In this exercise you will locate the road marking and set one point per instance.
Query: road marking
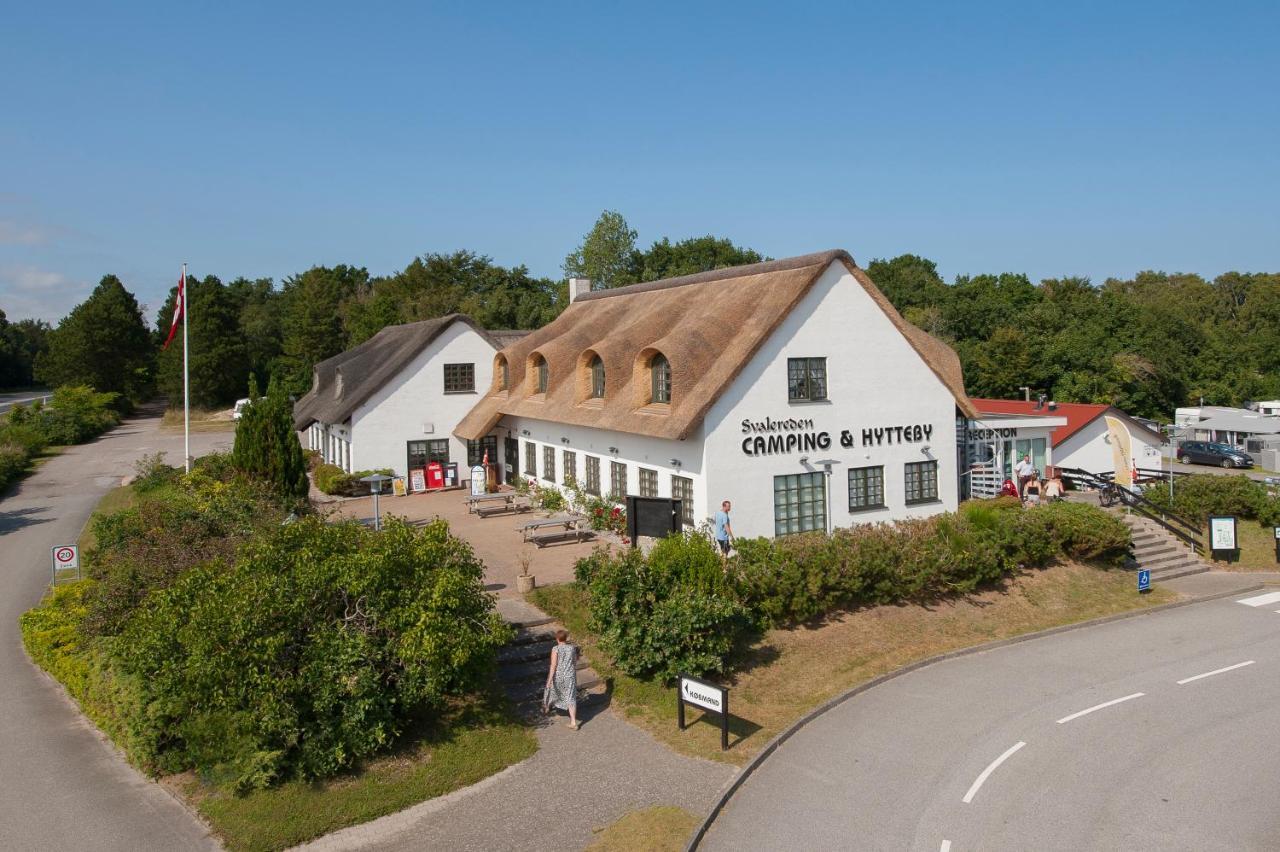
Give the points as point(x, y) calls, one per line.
point(946, 846)
point(1066, 719)
point(1261, 600)
point(986, 773)
point(1216, 671)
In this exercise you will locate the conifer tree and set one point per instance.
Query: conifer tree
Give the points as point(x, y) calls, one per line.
point(266, 446)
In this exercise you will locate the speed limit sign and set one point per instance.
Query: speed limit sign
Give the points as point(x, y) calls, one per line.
point(66, 557)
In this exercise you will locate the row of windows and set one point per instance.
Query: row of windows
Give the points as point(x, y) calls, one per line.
point(681, 486)
point(800, 499)
point(659, 377)
point(422, 453)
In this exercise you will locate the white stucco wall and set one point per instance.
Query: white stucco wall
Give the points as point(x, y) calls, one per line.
point(875, 380)
point(635, 451)
point(401, 409)
point(1090, 448)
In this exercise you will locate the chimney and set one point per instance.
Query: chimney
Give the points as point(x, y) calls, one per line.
point(578, 287)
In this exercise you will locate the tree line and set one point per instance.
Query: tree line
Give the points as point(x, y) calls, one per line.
point(1146, 344)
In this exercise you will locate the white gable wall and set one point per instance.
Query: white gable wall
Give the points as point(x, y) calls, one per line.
point(1090, 448)
point(876, 379)
point(401, 410)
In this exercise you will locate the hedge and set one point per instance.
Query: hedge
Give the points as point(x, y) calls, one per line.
point(1200, 495)
point(683, 609)
point(332, 479)
point(75, 414)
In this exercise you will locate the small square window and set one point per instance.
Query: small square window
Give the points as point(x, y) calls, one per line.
point(806, 379)
point(459, 378)
point(866, 488)
point(922, 482)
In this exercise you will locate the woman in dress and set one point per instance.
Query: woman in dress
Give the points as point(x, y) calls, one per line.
point(562, 679)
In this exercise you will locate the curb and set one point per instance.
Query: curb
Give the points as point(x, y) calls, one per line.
point(741, 777)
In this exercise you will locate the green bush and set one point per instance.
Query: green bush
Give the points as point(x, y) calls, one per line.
point(13, 463)
point(332, 479)
point(77, 413)
point(1200, 495)
point(667, 614)
point(314, 651)
point(266, 446)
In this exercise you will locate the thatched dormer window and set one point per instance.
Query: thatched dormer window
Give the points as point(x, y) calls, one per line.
point(660, 378)
point(541, 374)
point(597, 378)
point(502, 372)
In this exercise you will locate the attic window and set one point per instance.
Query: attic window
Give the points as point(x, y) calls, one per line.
point(542, 374)
point(337, 384)
point(504, 374)
point(597, 378)
point(660, 373)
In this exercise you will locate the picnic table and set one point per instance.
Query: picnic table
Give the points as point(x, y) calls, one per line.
point(513, 506)
point(564, 528)
point(475, 502)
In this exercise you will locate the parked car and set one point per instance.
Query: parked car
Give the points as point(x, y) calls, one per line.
point(1206, 452)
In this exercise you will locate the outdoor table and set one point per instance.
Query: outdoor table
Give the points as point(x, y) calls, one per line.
point(553, 529)
point(473, 502)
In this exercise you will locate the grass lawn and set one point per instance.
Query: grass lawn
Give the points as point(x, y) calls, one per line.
point(789, 672)
point(660, 829)
point(202, 420)
point(1257, 548)
point(476, 743)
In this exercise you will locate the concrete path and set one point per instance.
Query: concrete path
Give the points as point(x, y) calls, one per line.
point(63, 786)
point(1153, 732)
point(578, 781)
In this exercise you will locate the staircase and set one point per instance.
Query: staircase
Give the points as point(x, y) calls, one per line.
point(523, 662)
point(1158, 551)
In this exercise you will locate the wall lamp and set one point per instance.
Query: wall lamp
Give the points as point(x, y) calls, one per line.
point(564, 440)
point(675, 462)
point(613, 450)
point(524, 431)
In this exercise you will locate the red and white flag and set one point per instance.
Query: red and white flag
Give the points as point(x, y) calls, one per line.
point(179, 305)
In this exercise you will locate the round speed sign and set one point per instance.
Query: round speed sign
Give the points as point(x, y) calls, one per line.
point(65, 556)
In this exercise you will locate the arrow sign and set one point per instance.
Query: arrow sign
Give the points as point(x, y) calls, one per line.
point(702, 694)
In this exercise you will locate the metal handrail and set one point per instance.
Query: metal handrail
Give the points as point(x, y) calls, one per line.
point(1110, 491)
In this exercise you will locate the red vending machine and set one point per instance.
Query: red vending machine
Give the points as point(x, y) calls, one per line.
point(435, 475)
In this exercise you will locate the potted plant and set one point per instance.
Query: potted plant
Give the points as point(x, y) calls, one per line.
point(524, 580)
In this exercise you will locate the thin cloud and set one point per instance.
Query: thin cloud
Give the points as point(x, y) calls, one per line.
point(30, 292)
point(15, 233)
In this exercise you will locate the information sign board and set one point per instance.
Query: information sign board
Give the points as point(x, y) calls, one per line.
point(478, 481)
point(1222, 533)
point(417, 480)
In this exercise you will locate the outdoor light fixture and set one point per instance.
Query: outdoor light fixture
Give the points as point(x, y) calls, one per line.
point(925, 449)
point(613, 450)
point(524, 431)
point(804, 460)
point(564, 440)
point(675, 462)
point(375, 485)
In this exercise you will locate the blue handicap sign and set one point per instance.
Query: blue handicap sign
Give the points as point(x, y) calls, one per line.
point(1144, 580)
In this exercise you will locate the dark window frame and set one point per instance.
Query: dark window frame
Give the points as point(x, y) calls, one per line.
point(596, 375)
point(869, 476)
point(682, 490)
point(544, 375)
point(659, 379)
point(925, 486)
point(816, 515)
point(530, 459)
point(549, 464)
point(648, 482)
point(460, 378)
point(569, 467)
point(617, 475)
point(807, 379)
point(475, 450)
point(592, 475)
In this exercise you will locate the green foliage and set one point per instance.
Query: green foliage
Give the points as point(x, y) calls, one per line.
point(605, 254)
point(103, 343)
point(332, 479)
point(20, 344)
point(266, 447)
point(177, 522)
point(1199, 495)
point(313, 651)
point(666, 614)
point(311, 319)
point(74, 415)
point(665, 259)
point(218, 352)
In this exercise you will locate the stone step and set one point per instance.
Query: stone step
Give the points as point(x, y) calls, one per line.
point(1184, 570)
point(1164, 561)
point(532, 670)
point(524, 652)
point(533, 636)
point(1158, 554)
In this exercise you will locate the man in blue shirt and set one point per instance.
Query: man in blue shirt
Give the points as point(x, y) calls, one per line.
point(723, 528)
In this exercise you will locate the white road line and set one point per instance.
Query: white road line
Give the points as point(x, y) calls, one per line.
point(986, 773)
point(1261, 600)
point(946, 846)
point(1216, 671)
point(1066, 719)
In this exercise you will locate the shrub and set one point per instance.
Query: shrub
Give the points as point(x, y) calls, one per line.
point(314, 651)
point(1198, 496)
point(266, 447)
point(13, 463)
point(670, 613)
point(78, 413)
point(332, 479)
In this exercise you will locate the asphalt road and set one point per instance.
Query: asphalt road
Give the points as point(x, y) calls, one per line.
point(62, 787)
point(992, 751)
point(7, 400)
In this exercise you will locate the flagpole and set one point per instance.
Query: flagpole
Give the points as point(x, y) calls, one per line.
point(186, 378)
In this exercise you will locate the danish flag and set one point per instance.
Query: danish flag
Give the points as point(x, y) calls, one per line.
point(179, 306)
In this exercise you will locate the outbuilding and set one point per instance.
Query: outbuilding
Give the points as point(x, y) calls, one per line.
point(791, 388)
point(393, 401)
point(1084, 438)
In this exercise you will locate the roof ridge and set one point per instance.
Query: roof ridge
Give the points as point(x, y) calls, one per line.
point(761, 268)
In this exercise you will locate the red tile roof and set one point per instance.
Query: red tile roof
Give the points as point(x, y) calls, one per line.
point(1078, 414)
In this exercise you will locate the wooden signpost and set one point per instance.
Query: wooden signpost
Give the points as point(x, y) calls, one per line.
point(708, 696)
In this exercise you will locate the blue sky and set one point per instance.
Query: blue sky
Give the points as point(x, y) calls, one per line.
point(260, 139)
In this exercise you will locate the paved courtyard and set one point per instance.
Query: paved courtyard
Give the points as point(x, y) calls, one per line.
point(497, 540)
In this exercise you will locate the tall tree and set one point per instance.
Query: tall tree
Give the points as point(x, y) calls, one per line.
point(217, 355)
point(104, 343)
point(909, 281)
point(605, 254)
point(311, 319)
point(266, 446)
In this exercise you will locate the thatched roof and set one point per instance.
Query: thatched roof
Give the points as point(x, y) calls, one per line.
point(707, 325)
point(342, 383)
